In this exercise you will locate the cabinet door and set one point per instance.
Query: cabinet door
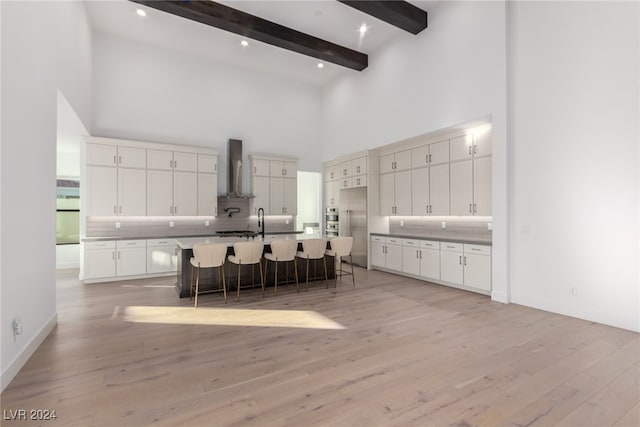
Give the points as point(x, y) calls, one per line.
point(290, 196)
point(477, 271)
point(359, 181)
point(159, 159)
point(290, 169)
point(482, 186)
point(102, 194)
point(439, 152)
point(420, 191)
point(102, 155)
point(207, 194)
point(387, 194)
point(403, 193)
point(276, 196)
point(461, 147)
point(462, 188)
point(482, 144)
point(330, 189)
point(185, 162)
point(420, 156)
point(411, 260)
point(185, 193)
point(159, 192)
point(346, 182)
point(131, 261)
point(439, 190)
point(430, 264)
point(99, 263)
point(260, 189)
point(162, 259)
point(129, 157)
point(345, 169)
point(207, 163)
point(394, 258)
point(377, 254)
point(260, 167)
point(451, 269)
point(276, 168)
point(359, 166)
point(386, 163)
point(132, 192)
point(403, 160)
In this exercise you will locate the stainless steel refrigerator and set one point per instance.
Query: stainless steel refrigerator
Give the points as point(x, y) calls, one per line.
point(353, 221)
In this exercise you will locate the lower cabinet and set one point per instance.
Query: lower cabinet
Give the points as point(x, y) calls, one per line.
point(99, 259)
point(161, 256)
point(467, 266)
point(131, 259)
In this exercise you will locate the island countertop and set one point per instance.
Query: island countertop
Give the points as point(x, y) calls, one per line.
point(188, 242)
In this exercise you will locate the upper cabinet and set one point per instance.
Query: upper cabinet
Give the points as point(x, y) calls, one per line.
point(142, 178)
point(471, 145)
point(394, 162)
point(274, 184)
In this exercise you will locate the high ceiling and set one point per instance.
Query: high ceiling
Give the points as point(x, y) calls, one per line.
point(326, 19)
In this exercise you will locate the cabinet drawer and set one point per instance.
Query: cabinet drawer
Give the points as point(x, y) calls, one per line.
point(131, 244)
point(411, 242)
point(359, 181)
point(429, 244)
point(477, 249)
point(161, 242)
point(451, 247)
point(393, 241)
point(345, 169)
point(346, 183)
point(377, 239)
point(109, 244)
point(359, 166)
point(207, 163)
point(186, 162)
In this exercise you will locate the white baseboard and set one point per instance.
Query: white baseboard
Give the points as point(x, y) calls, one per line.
point(19, 361)
point(67, 265)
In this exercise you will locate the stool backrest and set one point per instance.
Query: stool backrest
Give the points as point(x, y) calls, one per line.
point(314, 248)
point(210, 254)
point(248, 252)
point(341, 246)
point(284, 250)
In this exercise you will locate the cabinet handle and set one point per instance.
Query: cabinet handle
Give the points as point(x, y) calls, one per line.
point(465, 260)
point(114, 160)
point(215, 167)
point(429, 158)
point(417, 255)
point(114, 209)
point(170, 164)
point(420, 254)
point(474, 208)
point(469, 150)
point(175, 210)
point(470, 208)
point(460, 260)
point(255, 169)
point(120, 208)
point(475, 149)
point(113, 255)
point(430, 209)
point(175, 163)
point(119, 159)
point(118, 254)
point(171, 209)
point(426, 158)
point(358, 169)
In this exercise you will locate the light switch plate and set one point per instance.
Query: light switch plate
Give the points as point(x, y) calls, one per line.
point(490, 226)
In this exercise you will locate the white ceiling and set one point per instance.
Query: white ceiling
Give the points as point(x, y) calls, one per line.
point(326, 19)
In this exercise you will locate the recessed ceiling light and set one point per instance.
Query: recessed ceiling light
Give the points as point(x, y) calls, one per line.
point(141, 12)
point(244, 43)
point(363, 28)
point(320, 65)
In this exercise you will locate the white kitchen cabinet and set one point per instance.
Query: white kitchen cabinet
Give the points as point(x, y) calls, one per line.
point(462, 147)
point(131, 259)
point(394, 162)
point(283, 196)
point(291, 196)
point(207, 163)
point(132, 192)
point(395, 193)
point(260, 189)
point(185, 162)
point(332, 193)
point(451, 267)
point(387, 194)
point(101, 155)
point(130, 157)
point(185, 193)
point(439, 192)
point(346, 182)
point(260, 167)
point(378, 255)
point(161, 256)
point(359, 181)
point(159, 192)
point(99, 259)
point(482, 143)
point(482, 186)
point(420, 191)
point(411, 257)
point(283, 169)
point(430, 259)
point(345, 169)
point(102, 191)
point(462, 188)
point(477, 266)
point(207, 194)
point(332, 173)
point(159, 159)
point(430, 154)
point(359, 166)
point(386, 252)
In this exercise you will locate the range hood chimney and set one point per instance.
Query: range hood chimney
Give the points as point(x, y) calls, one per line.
point(234, 169)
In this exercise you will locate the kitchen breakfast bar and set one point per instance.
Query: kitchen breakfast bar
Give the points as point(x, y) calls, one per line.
point(209, 277)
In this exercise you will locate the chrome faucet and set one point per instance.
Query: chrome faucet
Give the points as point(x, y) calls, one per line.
point(261, 222)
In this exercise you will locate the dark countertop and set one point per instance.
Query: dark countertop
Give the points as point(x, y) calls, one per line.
point(469, 240)
point(212, 234)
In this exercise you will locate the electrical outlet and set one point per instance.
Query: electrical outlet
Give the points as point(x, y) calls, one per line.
point(444, 224)
point(574, 291)
point(207, 223)
point(117, 225)
point(171, 224)
point(286, 221)
point(489, 226)
point(401, 223)
point(17, 326)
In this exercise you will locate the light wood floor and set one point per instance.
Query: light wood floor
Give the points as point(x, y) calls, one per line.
point(412, 354)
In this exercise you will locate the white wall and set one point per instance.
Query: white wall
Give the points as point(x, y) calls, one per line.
point(450, 73)
point(148, 93)
point(46, 46)
point(575, 132)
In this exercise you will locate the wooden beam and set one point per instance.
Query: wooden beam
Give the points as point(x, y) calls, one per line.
point(395, 12)
point(238, 22)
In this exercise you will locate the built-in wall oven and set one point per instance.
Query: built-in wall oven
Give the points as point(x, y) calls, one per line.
point(331, 222)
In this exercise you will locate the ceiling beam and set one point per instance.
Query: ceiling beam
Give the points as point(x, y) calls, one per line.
point(238, 22)
point(395, 12)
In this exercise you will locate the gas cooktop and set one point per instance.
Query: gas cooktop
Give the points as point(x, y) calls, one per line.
point(237, 233)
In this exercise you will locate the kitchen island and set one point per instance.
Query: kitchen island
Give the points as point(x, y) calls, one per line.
point(209, 277)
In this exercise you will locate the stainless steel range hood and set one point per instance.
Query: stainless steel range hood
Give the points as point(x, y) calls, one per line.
point(234, 170)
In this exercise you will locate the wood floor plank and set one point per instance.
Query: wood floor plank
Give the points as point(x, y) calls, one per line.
point(411, 354)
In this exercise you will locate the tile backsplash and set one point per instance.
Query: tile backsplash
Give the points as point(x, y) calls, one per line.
point(456, 228)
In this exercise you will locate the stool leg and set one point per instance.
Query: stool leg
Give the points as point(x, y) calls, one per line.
point(238, 298)
point(295, 267)
point(191, 284)
point(307, 272)
point(266, 268)
point(326, 276)
point(197, 285)
point(276, 278)
point(224, 284)
point(353, 277)
point(336, 265)
point(262, 281)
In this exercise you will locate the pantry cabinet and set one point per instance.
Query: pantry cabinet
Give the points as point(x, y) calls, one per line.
point(274, 184)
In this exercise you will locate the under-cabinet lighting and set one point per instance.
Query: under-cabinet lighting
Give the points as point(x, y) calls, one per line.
point(141, 12)
point(363, 28)
point(244, 43)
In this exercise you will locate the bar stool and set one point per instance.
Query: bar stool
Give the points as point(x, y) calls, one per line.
point(208, 255)
point(284, 251)
point(247, 253)
point(314, 249)
point(341, 246)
